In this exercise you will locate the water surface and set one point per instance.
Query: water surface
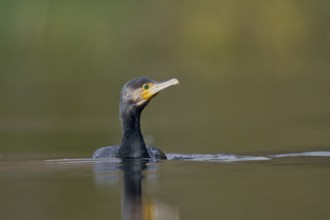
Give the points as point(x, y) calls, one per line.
point(277, 188)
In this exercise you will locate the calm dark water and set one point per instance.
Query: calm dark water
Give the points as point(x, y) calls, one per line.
point(280, 188)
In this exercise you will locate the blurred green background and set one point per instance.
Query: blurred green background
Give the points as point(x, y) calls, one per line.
point(254, 74)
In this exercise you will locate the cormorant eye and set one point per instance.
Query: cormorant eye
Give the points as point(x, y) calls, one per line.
point(145, 86)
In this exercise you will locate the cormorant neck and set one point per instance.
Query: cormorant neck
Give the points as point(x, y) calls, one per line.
point(132, 145)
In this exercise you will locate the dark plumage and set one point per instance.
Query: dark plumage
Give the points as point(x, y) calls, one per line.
point(134, 97)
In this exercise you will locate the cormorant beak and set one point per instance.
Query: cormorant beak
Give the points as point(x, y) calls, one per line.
point(155, 88)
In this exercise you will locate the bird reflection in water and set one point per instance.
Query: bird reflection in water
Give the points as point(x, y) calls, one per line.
point(134, 205)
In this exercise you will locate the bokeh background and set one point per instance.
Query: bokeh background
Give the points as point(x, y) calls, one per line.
point(254, 74)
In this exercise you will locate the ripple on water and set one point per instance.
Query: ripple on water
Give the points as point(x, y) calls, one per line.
point(215, 157)
point(304, 154)
point(204, 157)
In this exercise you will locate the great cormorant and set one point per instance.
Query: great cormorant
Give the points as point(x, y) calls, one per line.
point(134, 96)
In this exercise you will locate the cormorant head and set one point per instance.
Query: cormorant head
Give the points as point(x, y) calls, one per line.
point(138, 92)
